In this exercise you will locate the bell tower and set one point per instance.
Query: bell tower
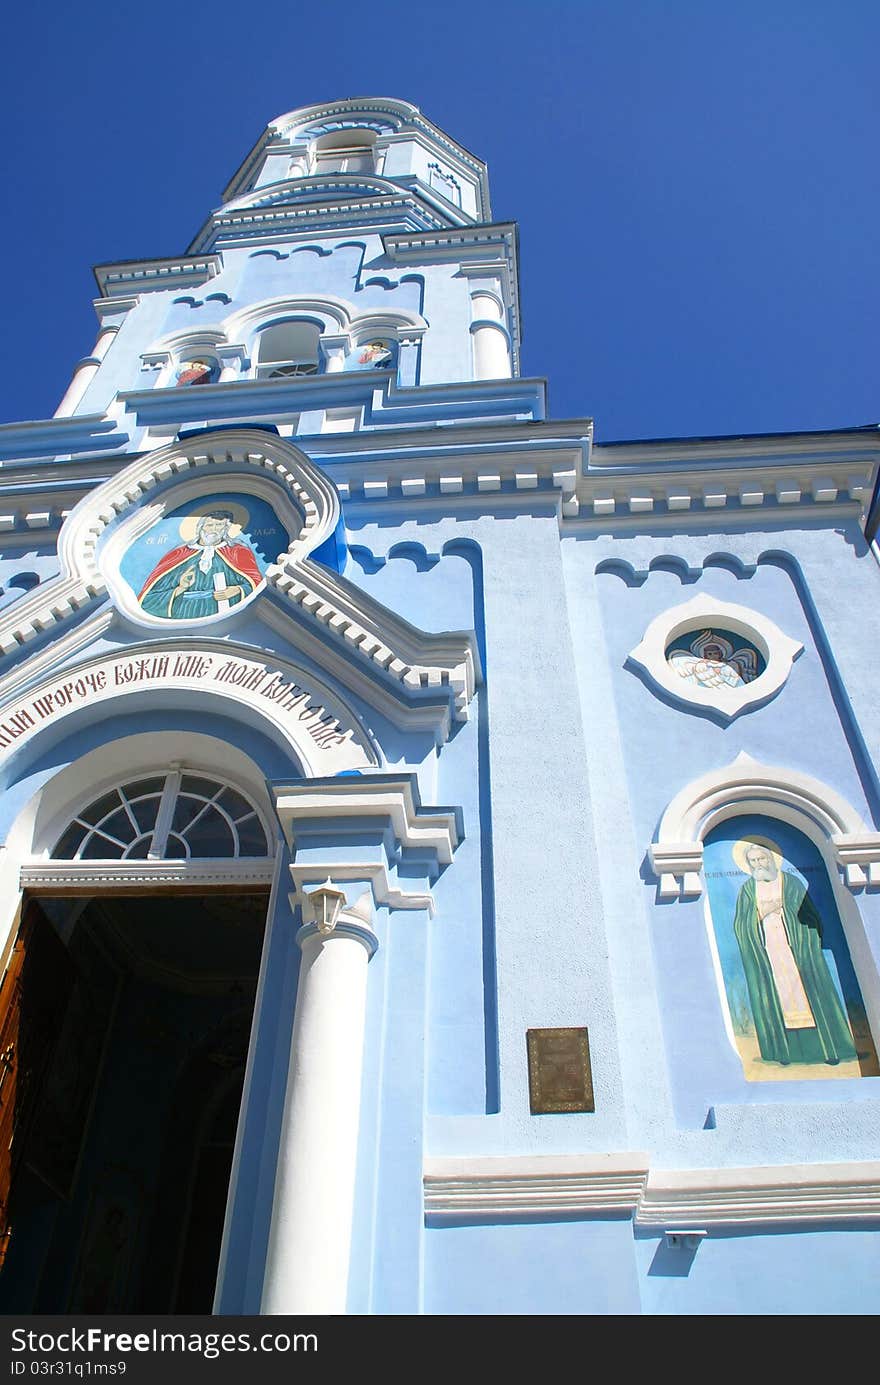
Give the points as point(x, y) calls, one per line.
point(354, 241)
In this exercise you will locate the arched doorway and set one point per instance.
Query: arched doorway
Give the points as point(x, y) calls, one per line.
point(125, 1016)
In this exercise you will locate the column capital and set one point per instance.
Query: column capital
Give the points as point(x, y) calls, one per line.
point(340, 920)
point(384, 823)
point(346, 928)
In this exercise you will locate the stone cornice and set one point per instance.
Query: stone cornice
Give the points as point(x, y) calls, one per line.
point(699, 452)
point(49, 437)
point(343, 810)
point(127, 276)
point(378, 213)
point(338, 191)
point(404, 454)
point(508, 1188)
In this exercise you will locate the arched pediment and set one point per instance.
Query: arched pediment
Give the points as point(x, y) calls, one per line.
point(746, 786)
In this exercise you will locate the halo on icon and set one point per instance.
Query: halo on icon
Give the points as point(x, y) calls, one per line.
point(740, 848)
point(190, 523)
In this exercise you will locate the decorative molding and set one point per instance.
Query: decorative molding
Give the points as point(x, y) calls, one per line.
point(384, 891)
point(745, 786)
point(746, 1196)
point(703, 611)
point(726, 479)
point(308, 717)
point(377, 214)
point(513, 1187)
point(311, 810)
point(62, 876)
point(534, 1185)
point(141, 275)
point(339, 315)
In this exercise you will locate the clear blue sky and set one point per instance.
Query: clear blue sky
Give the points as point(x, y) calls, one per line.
point(696, 182)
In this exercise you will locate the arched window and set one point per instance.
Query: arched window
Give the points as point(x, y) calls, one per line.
point(164, 817)
point(288, 350)
point(794, 1003)
point(345, 151)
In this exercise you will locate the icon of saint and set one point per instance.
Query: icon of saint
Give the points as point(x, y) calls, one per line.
point(194, 373)
point(798, 1014)
point(376, 354)
point(711, 661)
point(205, 576)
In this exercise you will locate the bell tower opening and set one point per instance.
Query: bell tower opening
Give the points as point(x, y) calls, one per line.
point(124, 1028)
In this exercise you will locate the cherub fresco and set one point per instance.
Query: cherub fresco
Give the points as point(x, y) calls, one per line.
point(711, 661)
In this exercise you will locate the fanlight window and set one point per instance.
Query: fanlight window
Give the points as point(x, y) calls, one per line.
point(289, 349)
point(165, 817)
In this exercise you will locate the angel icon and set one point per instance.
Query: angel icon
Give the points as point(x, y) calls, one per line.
point(710, 661)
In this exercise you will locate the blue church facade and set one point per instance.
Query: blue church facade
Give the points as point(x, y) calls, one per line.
point(444, 847)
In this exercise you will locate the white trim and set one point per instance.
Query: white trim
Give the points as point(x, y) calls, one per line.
point(704, 611)
point(747, 786)
point(299, 710)
point(337, 315)
point(543, 1184)
point(281, 502)
point(432, 832)
point(140, 875)
point(510, 1187)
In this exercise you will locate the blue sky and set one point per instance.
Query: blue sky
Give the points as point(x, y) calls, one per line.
point(696, 183)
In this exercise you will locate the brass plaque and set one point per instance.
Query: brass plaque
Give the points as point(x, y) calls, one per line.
point(560, 1076)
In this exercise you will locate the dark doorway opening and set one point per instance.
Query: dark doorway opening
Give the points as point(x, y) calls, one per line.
point(124, 1026)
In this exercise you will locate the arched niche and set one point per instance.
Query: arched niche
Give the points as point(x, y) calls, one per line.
point(795, 995)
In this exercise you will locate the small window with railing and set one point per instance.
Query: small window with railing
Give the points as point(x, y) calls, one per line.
point(288, 350)
point(344, 151)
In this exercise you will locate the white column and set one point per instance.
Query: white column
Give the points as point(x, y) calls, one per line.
point(491, 352)
point(310, 1238)
point(84, 373)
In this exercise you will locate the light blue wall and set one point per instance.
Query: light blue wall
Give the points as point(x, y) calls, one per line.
point(524, 1268)
point(830, 1271)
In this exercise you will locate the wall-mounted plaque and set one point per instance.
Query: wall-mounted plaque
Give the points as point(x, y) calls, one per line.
point(560, 1076)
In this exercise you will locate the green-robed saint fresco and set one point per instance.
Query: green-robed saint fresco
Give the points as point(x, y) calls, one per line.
point(793, 998)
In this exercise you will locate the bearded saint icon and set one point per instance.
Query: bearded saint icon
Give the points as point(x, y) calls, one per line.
point(205, 576)
point(710, 661)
